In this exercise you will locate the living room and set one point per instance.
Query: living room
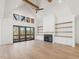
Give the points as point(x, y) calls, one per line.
point(33, 26)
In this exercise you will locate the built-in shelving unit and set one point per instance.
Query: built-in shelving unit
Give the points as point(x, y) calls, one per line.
point(40, 29)
point(63, 29)
point(63, 23)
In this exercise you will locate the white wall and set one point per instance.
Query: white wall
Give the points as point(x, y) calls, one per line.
point(77, 29)
point(64, 14)
point(48, 23)
point(64, 11)
point(57, 13)
point(74, 6)
point(7, 31)
point(8, 21)
point(2, 8)
point(46, 18)
point(1, 15)
point(0, 30)
point(11, 5)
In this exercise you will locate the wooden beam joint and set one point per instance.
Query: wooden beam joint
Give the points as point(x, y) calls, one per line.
point(31, 3)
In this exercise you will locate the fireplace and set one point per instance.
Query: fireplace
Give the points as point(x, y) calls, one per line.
point(48, 38)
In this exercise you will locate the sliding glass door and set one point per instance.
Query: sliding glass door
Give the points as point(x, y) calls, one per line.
point(15, 34)
point(22, 33)
point(30, 33)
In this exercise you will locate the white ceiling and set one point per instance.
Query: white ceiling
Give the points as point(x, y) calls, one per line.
point(74, 6)
point(48, 7)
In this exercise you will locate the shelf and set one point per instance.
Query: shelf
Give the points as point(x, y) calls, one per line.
point(63, 23)
point(63, 36)
point(40, 29)
point(63, 27)
point(63, 31)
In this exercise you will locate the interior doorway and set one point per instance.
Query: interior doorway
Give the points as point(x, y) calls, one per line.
point(22, 33)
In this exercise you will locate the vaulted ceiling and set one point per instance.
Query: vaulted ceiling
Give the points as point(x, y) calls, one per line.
point(35, 4)
point(48, 7)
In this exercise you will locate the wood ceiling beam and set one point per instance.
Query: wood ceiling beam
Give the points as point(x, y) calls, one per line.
point(32, 4)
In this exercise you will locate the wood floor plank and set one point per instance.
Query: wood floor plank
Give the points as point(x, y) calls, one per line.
point(38, 50)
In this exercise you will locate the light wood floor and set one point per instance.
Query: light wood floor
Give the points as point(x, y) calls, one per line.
point(38, 50)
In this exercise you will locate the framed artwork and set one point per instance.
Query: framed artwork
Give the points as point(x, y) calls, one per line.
point(27, 19)
point(23, 18)
point(19, 17)
point(16, 17)
point(32, 20)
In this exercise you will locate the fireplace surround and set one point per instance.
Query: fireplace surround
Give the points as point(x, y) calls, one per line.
point(48, 37)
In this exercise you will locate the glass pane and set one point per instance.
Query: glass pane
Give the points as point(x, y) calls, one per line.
point(27, 30)
point(32, 36)
point(32, 31)
point(16, 37)
point(22, 31)
point(22, 36)
point(16, 30)
point(28, 36)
